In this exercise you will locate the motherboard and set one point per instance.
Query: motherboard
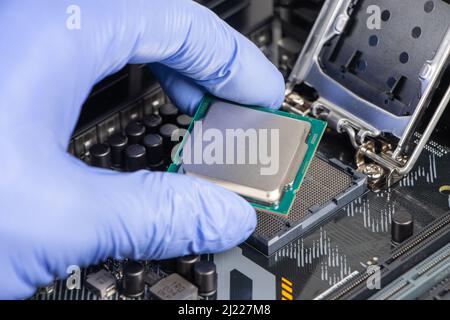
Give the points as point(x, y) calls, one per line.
point(344, 242)
point(342, 238)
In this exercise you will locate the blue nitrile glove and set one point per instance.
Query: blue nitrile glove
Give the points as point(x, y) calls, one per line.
point(54, 210)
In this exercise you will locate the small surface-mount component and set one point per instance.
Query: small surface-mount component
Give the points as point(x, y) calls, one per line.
point(47, 290)
point(151, 278)
point(250, 136)
point(102, 284)
point(174, 287)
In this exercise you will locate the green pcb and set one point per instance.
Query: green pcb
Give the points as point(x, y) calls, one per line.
point(284, 205)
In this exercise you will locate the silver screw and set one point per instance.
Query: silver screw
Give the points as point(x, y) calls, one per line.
point(374, 171)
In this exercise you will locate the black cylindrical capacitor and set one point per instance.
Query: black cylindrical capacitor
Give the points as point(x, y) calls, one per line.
point(153, 143)
point(183, 121)
point(205, 278)
point(152, 123)
point(185, 266)
point(168, 265)
point(118, 143)
point(135, 158)
point(133, 281)
point(402, 226)
point(101, 156)
point(135, 132)
point(168, 133)
point(169, 113)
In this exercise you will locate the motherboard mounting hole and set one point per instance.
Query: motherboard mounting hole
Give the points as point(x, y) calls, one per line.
point(429, 6)
point(385, 15)
point(404, 57)
point(416, 32)
point(362, 65)
point(373, 40)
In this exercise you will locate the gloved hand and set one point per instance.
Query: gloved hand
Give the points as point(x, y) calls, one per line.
point(54, 210)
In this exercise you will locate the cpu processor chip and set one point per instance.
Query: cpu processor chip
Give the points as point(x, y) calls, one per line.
point(258, 153)
point(246, 166)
